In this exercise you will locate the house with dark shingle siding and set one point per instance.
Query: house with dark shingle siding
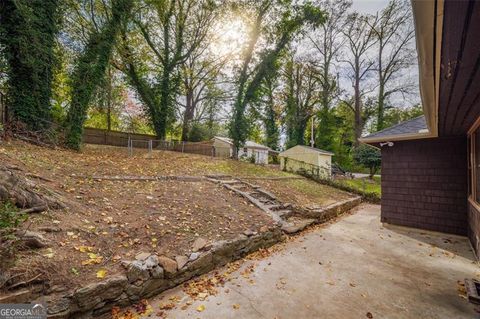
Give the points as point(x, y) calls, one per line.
point(431, 164)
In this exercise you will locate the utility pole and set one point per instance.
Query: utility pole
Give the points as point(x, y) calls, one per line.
point(312, 140)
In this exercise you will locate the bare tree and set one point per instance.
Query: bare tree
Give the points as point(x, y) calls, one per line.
point(302, 94)
point(172, 31)
point(198, 73)
point(394, 31)
point(328, 42)
point(360, 38)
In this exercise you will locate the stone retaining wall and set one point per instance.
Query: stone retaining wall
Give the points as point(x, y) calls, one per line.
point(149, 275)
point(146, 278)
point(326, 213)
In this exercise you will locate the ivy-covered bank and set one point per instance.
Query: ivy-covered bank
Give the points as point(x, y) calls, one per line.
point(27, 36)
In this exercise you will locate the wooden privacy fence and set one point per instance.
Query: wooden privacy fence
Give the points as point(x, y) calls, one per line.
point(113, 138)
point(146, 141)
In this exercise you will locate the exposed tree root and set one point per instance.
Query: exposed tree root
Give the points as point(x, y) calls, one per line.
point(24, 193)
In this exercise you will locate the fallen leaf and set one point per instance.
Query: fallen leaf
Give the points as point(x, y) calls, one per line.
point(93, 259)
point(236, 306)
point(84, 249)
point(200, 308)
point(49, 253)
point(101, 273)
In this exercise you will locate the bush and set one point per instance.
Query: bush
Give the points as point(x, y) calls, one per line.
point(199, 133)
point(369, 157)
point(10, 219)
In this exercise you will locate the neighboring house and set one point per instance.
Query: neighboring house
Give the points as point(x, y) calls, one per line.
point(431, 164)
point(224, 148)
point(310, 159)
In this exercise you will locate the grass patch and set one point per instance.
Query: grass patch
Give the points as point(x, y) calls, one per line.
point(372, 193)
point(239, 168)
point(303, 192)
point(364, 185)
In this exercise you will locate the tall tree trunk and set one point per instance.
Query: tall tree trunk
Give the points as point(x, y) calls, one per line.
point(188, 115)
point(381, 90)
point(358, 109)
point(109, 100)
point(160, 124)
point(271, 128)
point(28, 31)
point(91, 69)
point(381, 107)
point(301, 128)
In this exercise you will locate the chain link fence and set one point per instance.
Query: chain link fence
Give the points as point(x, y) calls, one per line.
point(144, 143)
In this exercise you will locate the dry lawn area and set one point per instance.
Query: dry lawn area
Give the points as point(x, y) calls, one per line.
point(303, 192)
point(109, 221)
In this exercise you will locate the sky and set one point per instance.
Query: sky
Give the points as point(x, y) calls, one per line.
point(369, 6)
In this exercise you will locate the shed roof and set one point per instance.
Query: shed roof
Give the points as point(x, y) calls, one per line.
point(248, 144)
point(317, 150)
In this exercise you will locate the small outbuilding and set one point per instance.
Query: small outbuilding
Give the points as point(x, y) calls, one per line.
point(224, 148)
point(305, 158)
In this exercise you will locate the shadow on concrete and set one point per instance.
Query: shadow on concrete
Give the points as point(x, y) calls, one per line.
point(455, 244)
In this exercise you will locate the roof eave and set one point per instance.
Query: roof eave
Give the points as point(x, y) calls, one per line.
point(396, 138)
point(428, 19)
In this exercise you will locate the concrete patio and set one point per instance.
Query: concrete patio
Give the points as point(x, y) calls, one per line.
point(353, 268)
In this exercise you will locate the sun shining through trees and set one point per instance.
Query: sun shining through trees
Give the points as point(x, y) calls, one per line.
point(257, 70)
point(230, 37)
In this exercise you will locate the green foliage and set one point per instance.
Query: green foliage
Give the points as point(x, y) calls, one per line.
point(272, 131)
point(9, 217)
point(138, 124)
point(327, 129)
point(292, 21)
point(27, 32)
point(369, 157)
point(172, 32)
point(397, 115)
point(201, 132)
point(98, 119)
point(270, 114)
point(91, 68)
point(343, 137)
point(295, 117)
point(61, 90)
point(365, 185)
point(369, 195)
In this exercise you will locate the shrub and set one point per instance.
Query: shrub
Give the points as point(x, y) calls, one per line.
point(10, 219)
point(369, 157)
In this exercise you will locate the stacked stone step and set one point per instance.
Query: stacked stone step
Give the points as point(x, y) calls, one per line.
point(264, 200)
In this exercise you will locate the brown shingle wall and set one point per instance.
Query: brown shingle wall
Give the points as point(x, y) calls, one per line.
point(424, 184)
